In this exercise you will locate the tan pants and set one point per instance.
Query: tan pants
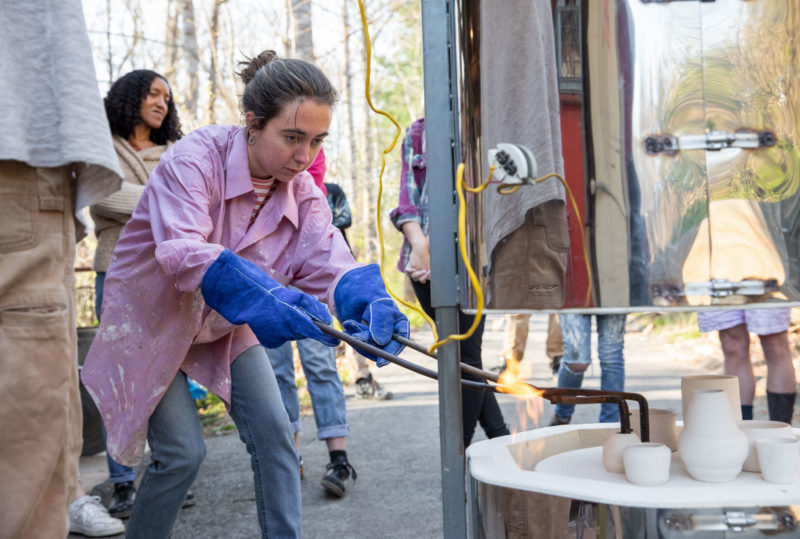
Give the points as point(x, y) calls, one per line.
point(40, 415)
point(517, 337)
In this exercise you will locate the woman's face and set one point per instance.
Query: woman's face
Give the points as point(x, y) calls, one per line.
point(154, 105)
point(290, 141)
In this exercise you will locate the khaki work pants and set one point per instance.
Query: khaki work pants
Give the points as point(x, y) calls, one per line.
point(40, 414)
point(517, 337)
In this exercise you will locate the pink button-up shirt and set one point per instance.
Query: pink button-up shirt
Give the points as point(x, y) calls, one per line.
point(197, 202)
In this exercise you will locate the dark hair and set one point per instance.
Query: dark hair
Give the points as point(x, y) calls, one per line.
point(124, 101)
point(272, 82)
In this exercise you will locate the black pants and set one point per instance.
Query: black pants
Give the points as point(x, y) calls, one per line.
point(478, 406)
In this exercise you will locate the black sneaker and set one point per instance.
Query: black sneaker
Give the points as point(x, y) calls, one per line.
point(122, 500)
point(336, 474)
point(190, 500)
point(364, 387)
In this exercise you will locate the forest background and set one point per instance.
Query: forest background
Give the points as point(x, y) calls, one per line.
point(197, 44)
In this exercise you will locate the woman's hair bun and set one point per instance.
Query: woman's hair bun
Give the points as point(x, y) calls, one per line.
point(250, 66)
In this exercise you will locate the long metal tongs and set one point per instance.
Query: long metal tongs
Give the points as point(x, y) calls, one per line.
point(552, 394)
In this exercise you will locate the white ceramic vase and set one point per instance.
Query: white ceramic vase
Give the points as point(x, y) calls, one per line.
point(756, 429)
point(726, 382)
point(612, 450)
point(647, 463)
point(711, 446)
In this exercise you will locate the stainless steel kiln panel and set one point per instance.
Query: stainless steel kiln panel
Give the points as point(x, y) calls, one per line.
point(691, 144)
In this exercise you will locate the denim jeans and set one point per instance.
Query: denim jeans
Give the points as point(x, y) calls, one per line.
point(177, 450)
point(576, 330)
point(117, 473)
point(324, 386)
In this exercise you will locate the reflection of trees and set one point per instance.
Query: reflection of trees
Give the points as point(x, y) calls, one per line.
point(745, 78)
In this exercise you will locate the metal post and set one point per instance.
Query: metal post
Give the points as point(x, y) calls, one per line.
point(441, 107)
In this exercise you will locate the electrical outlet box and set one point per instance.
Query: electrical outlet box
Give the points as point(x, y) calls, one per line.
point(514, 163)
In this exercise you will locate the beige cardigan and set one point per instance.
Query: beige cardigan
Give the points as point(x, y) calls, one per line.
point(111, 213)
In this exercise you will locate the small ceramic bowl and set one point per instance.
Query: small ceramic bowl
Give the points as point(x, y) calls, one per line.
point(647, 463)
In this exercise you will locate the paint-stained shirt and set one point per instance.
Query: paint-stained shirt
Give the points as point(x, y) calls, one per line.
point(197, 203)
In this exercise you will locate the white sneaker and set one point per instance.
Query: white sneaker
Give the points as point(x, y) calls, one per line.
point(87, 516)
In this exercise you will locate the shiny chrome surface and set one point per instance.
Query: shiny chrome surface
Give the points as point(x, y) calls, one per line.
point(691, 227)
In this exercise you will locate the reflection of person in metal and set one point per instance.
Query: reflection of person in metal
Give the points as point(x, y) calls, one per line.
point(526, 234)
point(576, 330)
point(771, 326)
point(517, 336)
point(56, 158)
point(412, 217)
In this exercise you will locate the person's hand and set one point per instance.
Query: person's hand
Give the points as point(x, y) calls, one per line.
point(368, 313)
point(242, 293)
point(419, 262)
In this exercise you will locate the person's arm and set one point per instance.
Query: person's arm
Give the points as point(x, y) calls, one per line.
point(120, 205)
point(419, 263)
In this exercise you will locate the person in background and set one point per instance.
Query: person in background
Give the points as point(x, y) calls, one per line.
point(324, 386)
point(144, 124)
point(411, 217)
point(366, 386)
point(199, 286)
point(771, 326)
point(56, 158)
point(576, 332)
point(517, 337)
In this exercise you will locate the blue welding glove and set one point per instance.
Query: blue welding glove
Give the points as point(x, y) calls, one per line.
point(242, 293)
point(368, 313)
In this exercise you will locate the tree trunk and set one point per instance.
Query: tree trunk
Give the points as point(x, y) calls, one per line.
point(369, 205)
point(303, 36)
point(355, 178)
point(192, 56)
point(171, 42)
point(213, 64)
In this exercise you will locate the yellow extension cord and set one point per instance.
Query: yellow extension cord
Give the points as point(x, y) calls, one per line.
point(460, 188)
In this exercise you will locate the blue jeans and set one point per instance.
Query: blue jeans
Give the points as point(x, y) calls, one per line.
point(177, 450)
point(117, 473)
point(576, 331)
point(324, 386)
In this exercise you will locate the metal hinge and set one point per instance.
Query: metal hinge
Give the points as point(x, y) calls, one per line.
point(722, 288)
point(736, 521)
point(713, 140)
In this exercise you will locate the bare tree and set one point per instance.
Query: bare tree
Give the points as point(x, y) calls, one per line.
point(171, 67)
point(192, 58)
point(303, 35)
point(213, 64)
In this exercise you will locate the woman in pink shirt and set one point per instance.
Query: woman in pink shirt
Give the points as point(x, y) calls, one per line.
point(197, 286)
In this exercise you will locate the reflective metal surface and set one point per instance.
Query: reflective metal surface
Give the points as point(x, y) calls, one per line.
point(691, 145)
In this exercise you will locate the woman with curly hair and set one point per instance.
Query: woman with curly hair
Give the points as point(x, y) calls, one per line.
point(144, 123)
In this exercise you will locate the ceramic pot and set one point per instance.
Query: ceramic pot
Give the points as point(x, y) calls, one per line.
point(779, 459)
point(662, 426)
point(726, 382)
point(647, 463)
point(612, 450)
point(760, 430)
point(711, 446)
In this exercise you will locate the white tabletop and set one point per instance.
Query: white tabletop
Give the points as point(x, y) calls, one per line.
point(566, 461)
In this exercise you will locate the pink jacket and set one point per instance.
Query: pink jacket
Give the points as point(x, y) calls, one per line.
point(197, 202)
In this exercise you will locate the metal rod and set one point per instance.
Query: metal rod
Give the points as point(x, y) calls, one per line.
point(374, 350)
point(552, 394)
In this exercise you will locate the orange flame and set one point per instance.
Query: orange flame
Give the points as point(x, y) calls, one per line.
point(527, 406)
